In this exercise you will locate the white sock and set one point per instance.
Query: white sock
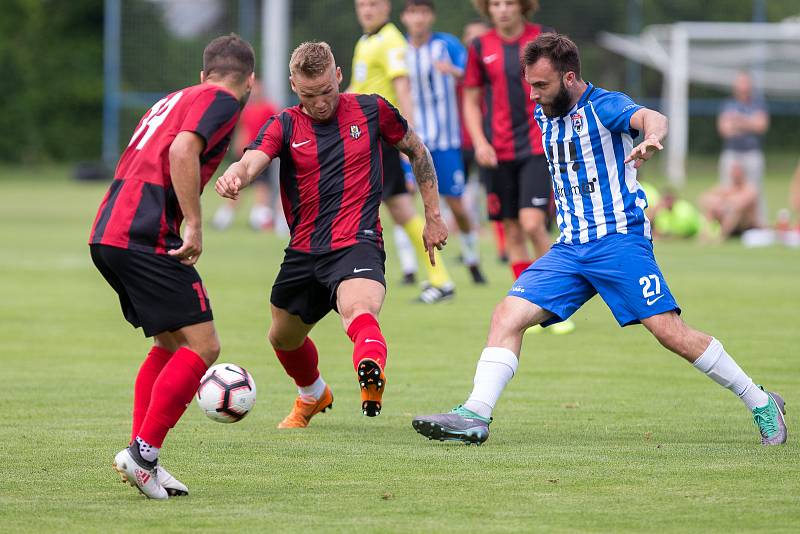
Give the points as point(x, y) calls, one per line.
point(469, 247)
point(315, 390)
point(722, 369)
point(495, 368)
point(405, 250)
point(147, 451)
point(260, 216)
point(470, 198)
point(223, 218)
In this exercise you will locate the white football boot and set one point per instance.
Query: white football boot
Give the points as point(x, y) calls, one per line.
point(142, 477)
point(174, 487)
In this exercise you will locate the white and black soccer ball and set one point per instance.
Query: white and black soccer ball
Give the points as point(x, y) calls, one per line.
point(227, 393)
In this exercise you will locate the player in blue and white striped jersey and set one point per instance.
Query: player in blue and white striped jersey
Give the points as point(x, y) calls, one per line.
point(596, 192)
point(435, 61)
point(604, 247)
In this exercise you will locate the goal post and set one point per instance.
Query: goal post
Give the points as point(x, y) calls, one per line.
point(711, 54)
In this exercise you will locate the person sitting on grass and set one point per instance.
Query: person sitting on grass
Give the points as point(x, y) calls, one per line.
point(734, 206)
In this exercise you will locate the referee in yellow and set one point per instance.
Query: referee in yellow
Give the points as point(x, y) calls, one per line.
point(379, 66)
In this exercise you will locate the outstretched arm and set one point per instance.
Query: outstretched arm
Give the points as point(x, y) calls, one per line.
point(654, 126)
point(241, 174)
point(435, 233)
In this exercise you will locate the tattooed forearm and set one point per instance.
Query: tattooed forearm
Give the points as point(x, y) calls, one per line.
point(422, 164)
point(420, 158)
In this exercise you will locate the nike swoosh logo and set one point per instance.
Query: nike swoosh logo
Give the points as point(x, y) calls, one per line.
point(360, 270)
point(295, 145)
point(368, 340)
point(651, 302)
point(489, 58)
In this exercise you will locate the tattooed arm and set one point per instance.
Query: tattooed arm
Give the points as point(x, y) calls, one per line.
point(435, 233)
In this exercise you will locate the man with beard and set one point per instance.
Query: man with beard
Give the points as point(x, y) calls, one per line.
point(605, 246)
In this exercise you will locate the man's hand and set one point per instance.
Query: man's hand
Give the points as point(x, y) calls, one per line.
point(229, 184)
point(445, 67)
point(485, 155)
point(192, 246)
point(434, 235)
point(643, 152)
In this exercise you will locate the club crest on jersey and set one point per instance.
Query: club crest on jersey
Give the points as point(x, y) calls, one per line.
point(355, 131)
point(577, 122)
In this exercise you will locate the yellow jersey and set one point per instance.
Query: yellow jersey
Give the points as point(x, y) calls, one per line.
point(378, 59)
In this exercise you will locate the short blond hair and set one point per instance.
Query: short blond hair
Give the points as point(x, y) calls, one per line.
point(529, 7)
point(311, 59)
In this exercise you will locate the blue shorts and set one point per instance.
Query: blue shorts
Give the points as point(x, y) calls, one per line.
point(620, 267)
point(449, 167)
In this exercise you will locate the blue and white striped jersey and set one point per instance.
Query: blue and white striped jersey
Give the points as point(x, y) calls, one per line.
point(434, 93)
point(596, 194)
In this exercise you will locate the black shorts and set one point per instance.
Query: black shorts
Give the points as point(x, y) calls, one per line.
point(394, 179)
point(306, 283)
point(156, 291)
point(518, 184)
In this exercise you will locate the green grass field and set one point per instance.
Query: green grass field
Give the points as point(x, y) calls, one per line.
point(600, 431)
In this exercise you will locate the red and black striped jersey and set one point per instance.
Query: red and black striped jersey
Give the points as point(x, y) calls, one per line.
point(494, 65)
point(140, 210)
point(331, 172)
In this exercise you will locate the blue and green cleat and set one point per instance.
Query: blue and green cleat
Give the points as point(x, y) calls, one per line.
point(769, 420)
point(460, 424)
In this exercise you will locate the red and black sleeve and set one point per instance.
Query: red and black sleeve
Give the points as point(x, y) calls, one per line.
point(393, 127)
point(212, 116)
point(269, 139)
point(474, 74)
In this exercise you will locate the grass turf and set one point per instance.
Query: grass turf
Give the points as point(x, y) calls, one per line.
point(600, 431)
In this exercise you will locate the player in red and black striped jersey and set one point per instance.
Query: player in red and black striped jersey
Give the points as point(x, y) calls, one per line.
point(331, 184)
point(507, 139)
point(136, 244)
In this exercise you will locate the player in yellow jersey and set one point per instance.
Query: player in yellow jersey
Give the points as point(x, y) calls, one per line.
point(379, 66)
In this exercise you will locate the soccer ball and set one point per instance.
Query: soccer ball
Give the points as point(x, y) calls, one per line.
point(227, 393)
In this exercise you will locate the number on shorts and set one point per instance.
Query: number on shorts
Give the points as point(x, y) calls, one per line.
point(202, 295)
point(645, 283)
point(154, 118)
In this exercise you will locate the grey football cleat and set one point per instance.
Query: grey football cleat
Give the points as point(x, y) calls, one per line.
point(460, 424)
point(769, 420)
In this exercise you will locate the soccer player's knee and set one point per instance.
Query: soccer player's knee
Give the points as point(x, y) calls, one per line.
point(281, 341)
point(673, 335)
point(533, 225)
point(212, 353)
point(504, 321)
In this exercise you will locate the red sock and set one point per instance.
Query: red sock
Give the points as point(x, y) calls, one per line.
point(301, 364)
point(518, 266)
point(500, 237)
point(365, 332)
point(172, 392)
point(156, 359)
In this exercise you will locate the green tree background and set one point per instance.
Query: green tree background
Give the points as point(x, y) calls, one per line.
point(51, 52)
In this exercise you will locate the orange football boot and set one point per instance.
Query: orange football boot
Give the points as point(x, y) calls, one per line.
point(303, 411)
point(372, 382)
